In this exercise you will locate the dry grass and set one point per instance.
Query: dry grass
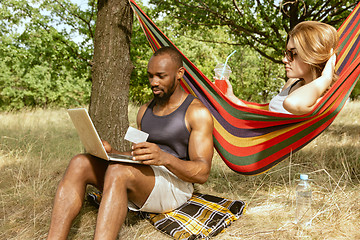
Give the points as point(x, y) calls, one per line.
point(36, 146)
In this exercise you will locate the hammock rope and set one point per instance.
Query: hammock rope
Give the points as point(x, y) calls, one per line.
point(251, 140)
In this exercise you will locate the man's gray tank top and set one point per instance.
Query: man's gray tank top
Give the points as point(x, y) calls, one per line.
point(169, 132)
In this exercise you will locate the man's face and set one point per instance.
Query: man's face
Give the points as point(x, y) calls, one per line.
point(162, 73)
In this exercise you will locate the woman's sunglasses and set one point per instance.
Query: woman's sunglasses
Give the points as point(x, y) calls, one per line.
point(289, 54)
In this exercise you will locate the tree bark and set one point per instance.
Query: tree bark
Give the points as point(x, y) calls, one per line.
point(111, 71)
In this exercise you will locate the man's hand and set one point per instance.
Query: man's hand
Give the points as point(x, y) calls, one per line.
point(107, 146)
point(149, 153)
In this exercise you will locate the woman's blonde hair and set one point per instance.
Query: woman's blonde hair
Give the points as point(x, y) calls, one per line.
point(313, 42)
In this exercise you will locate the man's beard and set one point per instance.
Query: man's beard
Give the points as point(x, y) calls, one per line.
point(164, 98)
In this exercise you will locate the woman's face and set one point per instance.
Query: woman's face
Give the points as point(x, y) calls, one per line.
point(295, 67)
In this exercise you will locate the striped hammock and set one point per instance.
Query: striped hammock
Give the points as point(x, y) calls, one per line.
point(251, 139)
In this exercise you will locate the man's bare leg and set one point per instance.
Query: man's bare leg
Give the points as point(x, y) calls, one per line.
point(82, 170)
point(122, 182)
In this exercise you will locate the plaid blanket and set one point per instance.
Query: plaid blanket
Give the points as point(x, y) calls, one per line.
point(201, 217)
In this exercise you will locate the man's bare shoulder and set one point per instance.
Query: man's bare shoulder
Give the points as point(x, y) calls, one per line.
point(144, 106)
point(197, 111)
point(141, 112)
point(197, 105)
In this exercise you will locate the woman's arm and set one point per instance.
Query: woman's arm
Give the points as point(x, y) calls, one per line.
point(303, 99)
point(230, 95)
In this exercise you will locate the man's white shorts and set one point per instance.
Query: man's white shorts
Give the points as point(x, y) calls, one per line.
point(168, 193)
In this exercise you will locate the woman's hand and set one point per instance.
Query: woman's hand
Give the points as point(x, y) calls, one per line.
point(229, 93)
point(231, 96)
point(329, 68)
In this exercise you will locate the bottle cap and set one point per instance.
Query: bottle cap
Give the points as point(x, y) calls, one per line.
point(304, 177)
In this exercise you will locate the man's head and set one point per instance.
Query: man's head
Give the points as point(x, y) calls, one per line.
point(175, 55)
point(165, 69)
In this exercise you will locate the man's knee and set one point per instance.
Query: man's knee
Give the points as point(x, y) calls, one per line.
point(131, 177)
point(83, 166)
point(80, 162)
point(120, 174)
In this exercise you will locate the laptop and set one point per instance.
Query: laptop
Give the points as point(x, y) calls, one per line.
point(90, 138)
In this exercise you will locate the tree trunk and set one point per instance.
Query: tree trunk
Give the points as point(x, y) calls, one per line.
point(111, 71)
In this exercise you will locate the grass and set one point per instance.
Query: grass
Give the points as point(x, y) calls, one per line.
point(36, 146)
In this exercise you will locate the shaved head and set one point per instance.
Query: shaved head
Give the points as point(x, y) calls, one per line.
point(175, 55)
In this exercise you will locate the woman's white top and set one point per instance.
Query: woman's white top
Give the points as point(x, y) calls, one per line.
point(276, 104)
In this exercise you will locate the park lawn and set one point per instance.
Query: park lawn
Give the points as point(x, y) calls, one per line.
point(36, 146)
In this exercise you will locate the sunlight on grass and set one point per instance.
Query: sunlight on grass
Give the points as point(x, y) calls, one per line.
point(36, 146)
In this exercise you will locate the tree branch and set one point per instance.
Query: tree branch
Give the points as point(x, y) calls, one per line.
point(46, 28)
point(87, 23)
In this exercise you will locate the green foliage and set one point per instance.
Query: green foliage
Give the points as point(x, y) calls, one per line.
point(41, 65)
point(37, 88)
point(261, 25)
point(253, 77)
point(355, 94)
point(256, 29)
point(256, 79)
point(140, 52)
point(46, 46)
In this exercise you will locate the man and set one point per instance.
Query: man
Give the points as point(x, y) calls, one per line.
point(178, 153)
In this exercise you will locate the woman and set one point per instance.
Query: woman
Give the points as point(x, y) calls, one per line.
point(310, 66)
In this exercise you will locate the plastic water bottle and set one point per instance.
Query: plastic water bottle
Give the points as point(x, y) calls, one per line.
point(303, 202)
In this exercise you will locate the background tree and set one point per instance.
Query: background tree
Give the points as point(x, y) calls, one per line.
point(260, 25)
point(254, 78)
point(47, 47)
point(47, 54)
point(60, 35)
point(41, 64)
point(111, 70)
